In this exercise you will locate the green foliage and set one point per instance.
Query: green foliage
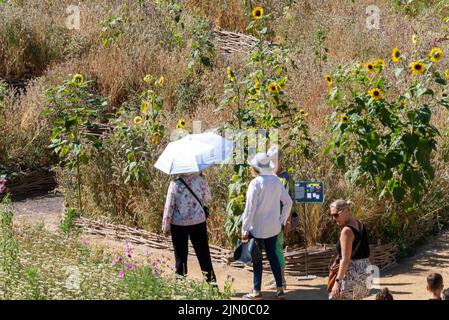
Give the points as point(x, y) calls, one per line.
point(319, 49)
point(74, 108)
point(175, 25)
point(3, 92)
point(256, 96)
point(139, 133)
point(112, 29)
point(9, 246)
point(410, 7)
point(187, 94)
point(386, 142)
point(32, 277)
point(202, 49)
point(68, 223)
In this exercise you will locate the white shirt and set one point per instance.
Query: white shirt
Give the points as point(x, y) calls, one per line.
point(262, 216)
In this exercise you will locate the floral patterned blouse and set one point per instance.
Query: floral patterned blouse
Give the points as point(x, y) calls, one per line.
point(181, 207)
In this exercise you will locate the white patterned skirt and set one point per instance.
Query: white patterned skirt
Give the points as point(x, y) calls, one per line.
point(354, 285)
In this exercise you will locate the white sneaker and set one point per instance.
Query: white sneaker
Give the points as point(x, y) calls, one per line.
point(272, 285)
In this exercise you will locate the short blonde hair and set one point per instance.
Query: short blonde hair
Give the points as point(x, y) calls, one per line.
point(341, 204)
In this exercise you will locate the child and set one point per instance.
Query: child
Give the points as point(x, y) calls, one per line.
point(435, 285)
point(384, 294)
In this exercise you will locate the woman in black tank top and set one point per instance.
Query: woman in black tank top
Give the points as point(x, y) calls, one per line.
point(353, 252)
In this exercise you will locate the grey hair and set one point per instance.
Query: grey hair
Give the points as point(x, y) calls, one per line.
point(341, 204)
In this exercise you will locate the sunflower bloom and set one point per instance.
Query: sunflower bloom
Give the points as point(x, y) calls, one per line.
point(396, 55)
point(138, 120)
point(415, 39)
point(436, 54)
point(257, 13)
point(78, 79)
point(344, 118)
point(417, 67)
point(446, 74)
point(375, 93)
point(273, 88)
point(160, 82)
point(181, 124)
point(380, 63)
point(143, 107)
point(328, 79)
point(148, 79)
point(283, 85)
point(156, 137)
point(369, 66)
point(231, 75)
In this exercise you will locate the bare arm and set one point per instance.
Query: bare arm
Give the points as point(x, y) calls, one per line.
point(346, 240)
point(169, 208)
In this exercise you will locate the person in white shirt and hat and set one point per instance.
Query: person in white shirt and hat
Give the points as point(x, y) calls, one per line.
point(263, 219)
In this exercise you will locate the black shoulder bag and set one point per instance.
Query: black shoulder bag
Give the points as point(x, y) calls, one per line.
point(205, 209)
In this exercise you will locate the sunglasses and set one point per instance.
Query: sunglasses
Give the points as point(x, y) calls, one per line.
point(336, 215)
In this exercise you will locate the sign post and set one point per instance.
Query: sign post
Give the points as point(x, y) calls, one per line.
point(308, 192)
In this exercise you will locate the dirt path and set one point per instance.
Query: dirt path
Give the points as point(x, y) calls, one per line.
point(406, 281)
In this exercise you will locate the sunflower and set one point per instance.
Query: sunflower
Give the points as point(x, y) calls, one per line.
point(301, 111)
point(446, 74)
point(181, 124)
point(160, 82)
point(344, 118)
point(257, 13)
point(328, 79)
point(143, 107)
point(375, 93)
point(396, 55)
point(231, 75)
point(403, 102)
point(273, 88)
point(138, 120)
point(148, 79)
point(369, 66)
point(415, 39)
point(380, 63)
point(417, 67)
point(156, 137)
point(257, 84)
point(78, 79)
point(436, 54)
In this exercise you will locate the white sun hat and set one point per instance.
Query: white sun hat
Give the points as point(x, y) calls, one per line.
point(274, 153)
point(262, 163)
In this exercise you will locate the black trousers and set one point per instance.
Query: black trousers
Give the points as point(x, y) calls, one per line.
point(198, 237)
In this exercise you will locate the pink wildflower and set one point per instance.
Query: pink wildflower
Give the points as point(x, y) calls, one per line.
point(129, 266)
